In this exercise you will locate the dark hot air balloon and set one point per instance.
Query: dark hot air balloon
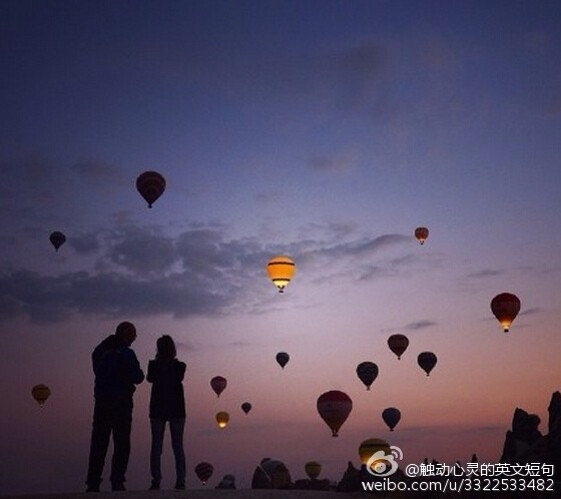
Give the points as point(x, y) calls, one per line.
point(57, 239)
point(427, 360)
point(391, 417)
point(282, 358)
point(151, 186)
point(218, 384)
point(367, 372)
point(313, 469)
point(334, 408)
point(421, 233)
point(204, 471)
point(505, 308)
point(398, 343)
point(41, 393)
point(246, 407)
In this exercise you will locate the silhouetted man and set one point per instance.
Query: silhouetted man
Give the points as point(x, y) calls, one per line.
point(116, 370)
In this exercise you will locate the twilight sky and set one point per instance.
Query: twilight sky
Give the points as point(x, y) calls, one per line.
point(325, 130)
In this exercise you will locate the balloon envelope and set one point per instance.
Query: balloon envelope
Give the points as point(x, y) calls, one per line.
point(282, 358)
point(246, 407)
point(204, 471)
point(313, 469)
point(57, 239)
point(218, 384)
point(369, 447)
point(280, 270)
point(222, 419)
point(421, 233)
point(427, 361)
point(41, 393)
point(398, 343)
point(505, 308)
point(391, 417)
point(367, 372)
point(151, 186)
point(334, 408)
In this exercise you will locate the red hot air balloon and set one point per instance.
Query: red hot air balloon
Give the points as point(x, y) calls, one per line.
point(421, 233)
point(391, 417)
point(57, 239)
point(151, 186)
point(204, 471)
point(505, 308)
point(334, 408)
point(367, 372)
point(426, 360)
point(398, 343)
point(282, 358)
point(246, 407)
point(218, 384)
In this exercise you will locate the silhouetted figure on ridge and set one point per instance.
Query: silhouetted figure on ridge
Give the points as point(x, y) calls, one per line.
point(117, 371)
point(167, 403)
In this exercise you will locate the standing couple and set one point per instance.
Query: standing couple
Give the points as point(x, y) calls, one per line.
point(117, 371)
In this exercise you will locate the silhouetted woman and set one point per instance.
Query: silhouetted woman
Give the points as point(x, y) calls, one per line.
point(167, 403)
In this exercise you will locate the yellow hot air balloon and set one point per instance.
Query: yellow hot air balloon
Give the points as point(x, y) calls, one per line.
point(369, 447)
point(222, 419)
point(421, 233)
point(313, 469)
point(41, 393)
point(280, 270)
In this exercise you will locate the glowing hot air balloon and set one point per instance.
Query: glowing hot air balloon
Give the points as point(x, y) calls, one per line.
point(57, 239)
point(313, 469)
point(41, 393)
point(369, 447)
point(282, 358)
point(398, 343)
point(204, 471)
point(391, 417)
point(505, 308)
point(246, 407)
point(151, 186)
point(426, 360)
point(367, 372)
point(218, 384)
point(334, 408)
point(421, 233)
point(222, 419)
point(280, 270)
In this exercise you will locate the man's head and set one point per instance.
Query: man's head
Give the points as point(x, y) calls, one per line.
point(126, 332)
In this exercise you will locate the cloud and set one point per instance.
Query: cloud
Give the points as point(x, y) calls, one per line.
point(98, 171)
point(485, 273)
point(417, 325)
point(84, 244)
point(333, 164)
point(531, 311)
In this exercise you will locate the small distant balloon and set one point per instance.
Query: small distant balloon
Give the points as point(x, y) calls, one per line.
point(246, 407)
point(391, 417)
point(505, 308)
point(222, 419)
point(367, 372)
point(41, 393)
point(151, 186)
point(282, 359)
point(398, 343)
point(334, 408)
point(281, 270)
point(204, 471)
point(218, 384)
point(57, 239)
point(421, 233)
point(427, 361)
point(313, 469)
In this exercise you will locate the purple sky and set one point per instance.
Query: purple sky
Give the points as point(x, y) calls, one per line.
point(325, 130)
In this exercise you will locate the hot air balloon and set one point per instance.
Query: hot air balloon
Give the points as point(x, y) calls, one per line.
point(222, 419)
point(246, 407)
point(151, 186)
point(505, 308)
point(421, 233)
point(218, 384)
point(282, 358)
point(334, 408)
point(280, 270)
point(427, 360)
point(367, 372)
point(391, 417)
point(313, 469)
point(398, 343)
point(41, 393)
point(369, 447)
point(204, 471)
point(57, 239)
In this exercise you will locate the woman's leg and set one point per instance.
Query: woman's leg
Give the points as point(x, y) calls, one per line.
point(177, 426)
point(157, 426)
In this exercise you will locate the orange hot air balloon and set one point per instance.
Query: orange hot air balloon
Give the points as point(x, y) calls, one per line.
point(222, 419)
point(204, 471)
point(218, 384)
point(421, 233)
point(369, 447)
point(41, 393)
point(398, 343)
point(151, 186)
point(280, 270)
point(391, 417)
point(334, 408)
point(427, 361)
point(282, 359)
point(505, 308)
point(367, 372)
point(57, 239)
point(313, 469)
point(246, 407)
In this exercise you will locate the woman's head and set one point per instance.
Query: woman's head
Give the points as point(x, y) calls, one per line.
point(165, 348)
